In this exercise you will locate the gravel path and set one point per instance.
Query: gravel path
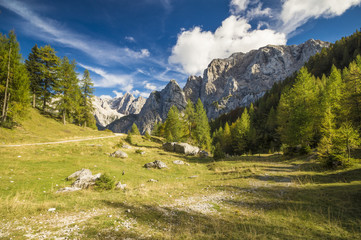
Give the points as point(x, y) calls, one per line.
point(64, 141)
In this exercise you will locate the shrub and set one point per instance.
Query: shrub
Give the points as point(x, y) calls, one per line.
point(120, 143)
point(218, 152)
point(129, 138)
point(104, 183)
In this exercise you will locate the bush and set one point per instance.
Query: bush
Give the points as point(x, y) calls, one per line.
point(119, 144)
point(104, 183)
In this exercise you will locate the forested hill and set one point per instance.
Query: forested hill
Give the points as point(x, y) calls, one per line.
point(295, 111)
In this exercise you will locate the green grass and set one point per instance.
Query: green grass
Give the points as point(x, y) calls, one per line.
point(35, 128)
point(255, 197)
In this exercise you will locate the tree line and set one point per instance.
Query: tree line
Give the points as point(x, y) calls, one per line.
point(43, 81)
point(318, 107)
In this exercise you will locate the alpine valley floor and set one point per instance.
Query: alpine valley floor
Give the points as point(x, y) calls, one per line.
point(254, 197)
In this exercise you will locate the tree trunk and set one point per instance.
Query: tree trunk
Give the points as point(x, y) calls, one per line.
point(4, 111)
point(6, 107)
point(34, 97)
point(64, 122)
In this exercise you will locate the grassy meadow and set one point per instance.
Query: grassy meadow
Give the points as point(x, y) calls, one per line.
point(254, 197)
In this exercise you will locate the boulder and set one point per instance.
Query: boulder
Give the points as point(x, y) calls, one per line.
point(169, 146)
point(120, 186)
point(178, 162)
point(119, 154)
point(86, 181)
point(68, 189)
point(152, 180)
point(81, 173)
point(185, 148)
point(156, 164)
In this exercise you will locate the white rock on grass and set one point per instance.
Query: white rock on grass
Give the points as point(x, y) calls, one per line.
point(119, 154)
point(121, 186)
point(178, 162)
point(156, 164)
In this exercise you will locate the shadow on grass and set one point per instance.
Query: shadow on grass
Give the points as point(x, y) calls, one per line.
point(171, 223)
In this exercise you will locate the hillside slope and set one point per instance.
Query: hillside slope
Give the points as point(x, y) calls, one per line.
point(35, 127)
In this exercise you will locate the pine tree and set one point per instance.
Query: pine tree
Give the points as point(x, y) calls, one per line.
point(134, 130)
point(14, 81)
point(49, 74)
point(347, 138)
point(189, 115)
point(33, 65)
point(68, 91)
point(173, 129)
point(86, 102)
point(202, 129)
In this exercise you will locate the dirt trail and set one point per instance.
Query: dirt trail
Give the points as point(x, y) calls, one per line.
point(59, 142)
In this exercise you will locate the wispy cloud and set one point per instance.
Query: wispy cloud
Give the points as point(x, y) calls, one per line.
point(123, 81)
point(56, 32)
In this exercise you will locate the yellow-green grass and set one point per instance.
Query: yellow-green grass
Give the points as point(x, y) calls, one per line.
point(35, 127)
point(253, 197)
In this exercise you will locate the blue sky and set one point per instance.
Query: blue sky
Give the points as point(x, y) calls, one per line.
point(138, 46)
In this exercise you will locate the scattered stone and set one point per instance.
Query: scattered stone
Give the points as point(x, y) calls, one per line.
point(51, 209)
point(119, 154)
point(156, 164)
point(68, 189)
point(187, 164)
point(128, 210)
point(203, 154)
point(178, 162)
point(194, 176)
point(152, 180)
point(126, 146)
point(120, 186)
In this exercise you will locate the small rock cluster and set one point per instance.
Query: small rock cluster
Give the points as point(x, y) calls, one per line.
point(119, 154)
point(184, 148)
point(84, 179)
point(156, 164)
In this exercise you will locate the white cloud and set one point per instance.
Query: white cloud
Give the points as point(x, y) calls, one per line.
point(295, 13)
point(105, 97)
point(117, 94)
point(54, 31)
point(196, 48)
point(258, 12)
point(129, 39)
point(124, 81)
point(238, 6)
point(137, 93)
point(149, 86)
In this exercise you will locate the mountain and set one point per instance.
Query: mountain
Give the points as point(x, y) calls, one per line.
point(154, 110)
point(107, 110)
point(244, 77)
point(226, 84)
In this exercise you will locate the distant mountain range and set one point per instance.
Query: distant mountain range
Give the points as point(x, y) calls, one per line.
point(225, 85)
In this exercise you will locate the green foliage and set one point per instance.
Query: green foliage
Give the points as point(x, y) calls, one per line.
point(202, 129)
point(33, 65)
point(240, 133)
point(134, 130)
point(129, 138)
point(218, 152)
point(14, 80)
point(104, 183)
point(147, 135)
point(86, 87)
point(175, 127)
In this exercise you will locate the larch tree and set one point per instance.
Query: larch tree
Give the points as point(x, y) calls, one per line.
point(33, 65)
point(49, 68)
point(14, 81)
point(87, 89)
point(202, 129)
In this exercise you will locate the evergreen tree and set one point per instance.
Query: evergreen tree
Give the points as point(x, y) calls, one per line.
point(298, 111)
point(134, 130)
point(14, 81)
point(202, 129)
point(189, 115)
point(49, 74)
point(173, 129)
point(86, 103)
point(347, 138)
point(67, 91)
point(241, 133)
point(33, 65)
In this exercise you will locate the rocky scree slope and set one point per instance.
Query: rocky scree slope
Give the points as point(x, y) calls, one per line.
point(107, 110)
point(154, 110)
point(244, 77)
